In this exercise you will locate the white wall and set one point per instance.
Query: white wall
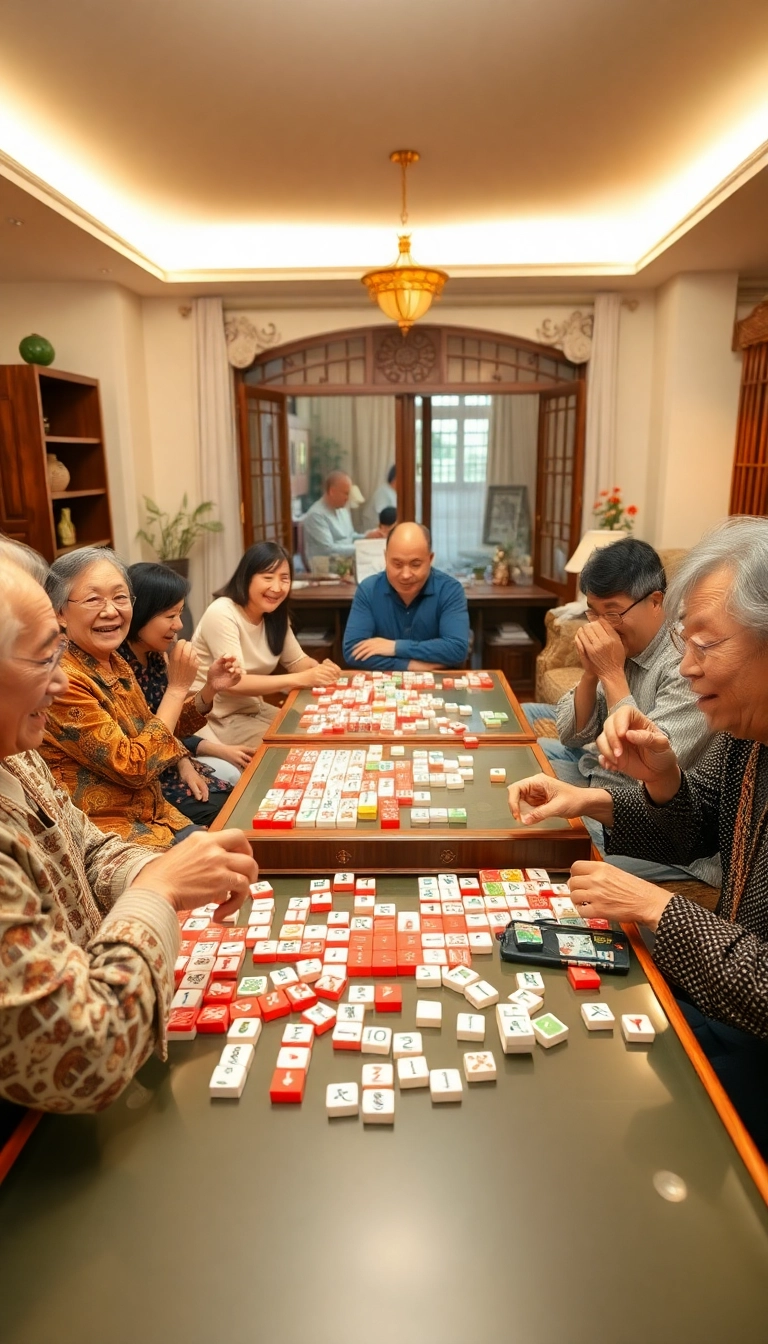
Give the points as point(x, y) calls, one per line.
point(694, 405)
point(95, 329)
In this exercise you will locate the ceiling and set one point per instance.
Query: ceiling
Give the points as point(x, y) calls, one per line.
point(243, 145)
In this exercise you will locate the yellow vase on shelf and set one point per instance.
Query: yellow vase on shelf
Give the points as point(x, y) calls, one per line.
point(66, 528)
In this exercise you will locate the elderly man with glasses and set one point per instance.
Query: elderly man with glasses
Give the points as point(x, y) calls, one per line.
point(628, 659)
point(89, 928)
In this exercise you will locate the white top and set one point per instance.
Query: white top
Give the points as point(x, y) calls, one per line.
point(328, 531)
point(385, 497)
point(225, 629)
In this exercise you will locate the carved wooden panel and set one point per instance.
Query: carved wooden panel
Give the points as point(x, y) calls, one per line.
point(749, 482)
point(429, 358)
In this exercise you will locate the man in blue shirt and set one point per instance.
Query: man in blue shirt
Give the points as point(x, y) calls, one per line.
point(411, 615)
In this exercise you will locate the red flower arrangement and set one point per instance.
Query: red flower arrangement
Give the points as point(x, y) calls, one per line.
point(611, 514)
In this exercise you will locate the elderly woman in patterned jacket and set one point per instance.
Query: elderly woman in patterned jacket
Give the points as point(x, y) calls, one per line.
point(717, 961)
point(89, 928)
point(103, 742)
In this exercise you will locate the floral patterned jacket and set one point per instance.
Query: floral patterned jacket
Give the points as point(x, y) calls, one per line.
point(86, 972)
point(108, 749)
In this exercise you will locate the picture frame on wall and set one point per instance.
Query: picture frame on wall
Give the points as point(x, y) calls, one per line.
point(507, 519)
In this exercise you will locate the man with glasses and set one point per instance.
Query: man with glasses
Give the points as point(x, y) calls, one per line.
point(89, 928)
point(628, 658)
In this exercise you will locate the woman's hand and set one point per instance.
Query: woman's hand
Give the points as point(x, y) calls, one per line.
point(632, 745)
point(600, 891)
point(238, 756)
point(322, 674)
point(197, 785)
point(182, 663)
point(206, 866)
point(223, 675)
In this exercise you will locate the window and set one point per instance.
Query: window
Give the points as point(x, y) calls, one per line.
point(445, 435)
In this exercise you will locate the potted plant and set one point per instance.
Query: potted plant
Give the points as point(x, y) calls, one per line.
point(611, 512)
point(173, 537)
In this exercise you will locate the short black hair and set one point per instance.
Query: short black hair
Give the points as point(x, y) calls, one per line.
point(388, 516)
point(627, 566)
point(156, 588)
point(391, 474)
point(261, 558)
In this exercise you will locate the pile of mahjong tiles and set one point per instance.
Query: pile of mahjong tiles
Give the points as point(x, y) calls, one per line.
point(317, 988)
point(328, 789)
point(396, 702)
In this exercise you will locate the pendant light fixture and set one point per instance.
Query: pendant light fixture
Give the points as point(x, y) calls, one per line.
point(405, 290)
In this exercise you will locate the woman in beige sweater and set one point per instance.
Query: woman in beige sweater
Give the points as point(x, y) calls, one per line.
point(249, 618)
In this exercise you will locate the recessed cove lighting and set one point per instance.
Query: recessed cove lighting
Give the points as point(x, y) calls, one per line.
point(17, 223)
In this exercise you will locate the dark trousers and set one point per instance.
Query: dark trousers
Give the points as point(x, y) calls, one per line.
point(203, 814)
point(741, 1064)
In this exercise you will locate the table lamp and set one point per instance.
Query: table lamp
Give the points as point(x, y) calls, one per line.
point(592, 540)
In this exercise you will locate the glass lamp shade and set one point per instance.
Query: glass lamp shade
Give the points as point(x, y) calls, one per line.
point(404, 291)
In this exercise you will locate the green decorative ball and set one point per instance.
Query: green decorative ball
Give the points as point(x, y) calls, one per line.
point(36, 349)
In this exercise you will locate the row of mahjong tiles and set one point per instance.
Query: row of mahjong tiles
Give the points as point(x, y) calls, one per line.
point(458, 918)
point(207, 999)
point(358, 705)
point(337, 788)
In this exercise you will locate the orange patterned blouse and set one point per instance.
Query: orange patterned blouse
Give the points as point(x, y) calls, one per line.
point(108, 750)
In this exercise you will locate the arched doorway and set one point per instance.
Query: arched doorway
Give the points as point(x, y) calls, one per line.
point(434, 363)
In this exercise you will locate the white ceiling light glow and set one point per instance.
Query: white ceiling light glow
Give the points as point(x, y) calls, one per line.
point(617, 239)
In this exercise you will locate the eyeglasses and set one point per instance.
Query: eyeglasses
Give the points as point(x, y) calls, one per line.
point(52, 661)
point(616, 617)
point(123, 602)
point(684, 644)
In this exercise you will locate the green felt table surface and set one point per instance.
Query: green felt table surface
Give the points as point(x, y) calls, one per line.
point(530, 1212)
point(486, 803)
point(498, 699)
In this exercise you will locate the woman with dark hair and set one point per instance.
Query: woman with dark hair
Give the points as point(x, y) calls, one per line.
point(249, 621)
point(198, 787)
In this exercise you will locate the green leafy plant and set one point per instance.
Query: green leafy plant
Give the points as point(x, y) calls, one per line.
point(173, 537)
point(325, 456)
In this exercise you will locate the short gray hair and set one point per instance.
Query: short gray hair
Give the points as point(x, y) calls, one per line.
point(18, 553)
point(740, 546)
point(65, 572)
point(14, 581)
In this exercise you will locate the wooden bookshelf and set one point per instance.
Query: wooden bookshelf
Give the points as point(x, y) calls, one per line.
point(71, 404)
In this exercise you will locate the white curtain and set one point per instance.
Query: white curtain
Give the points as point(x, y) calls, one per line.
point(602, 391)
point(363, 427)
point(217, 449)
point(513, 444)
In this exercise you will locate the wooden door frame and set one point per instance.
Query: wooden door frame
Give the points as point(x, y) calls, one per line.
point(566, 590)
point(246, 394)
point(539, 362)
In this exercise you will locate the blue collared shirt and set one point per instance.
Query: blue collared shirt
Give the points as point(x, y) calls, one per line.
point(433, 629)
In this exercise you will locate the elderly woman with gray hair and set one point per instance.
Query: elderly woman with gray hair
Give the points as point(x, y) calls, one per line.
point(103, 743)
point(717, 604)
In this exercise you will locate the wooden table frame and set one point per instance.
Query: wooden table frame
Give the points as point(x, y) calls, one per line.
point(431, 850)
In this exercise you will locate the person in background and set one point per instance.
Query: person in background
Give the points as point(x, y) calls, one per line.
point(249, 621)
point(384, 497)
point(716, 960)
point(327, 524)
point(102, 742)
point(387, 520)
point(628, 658)
point(410, 615)
point(88, 923)
point(158, 601)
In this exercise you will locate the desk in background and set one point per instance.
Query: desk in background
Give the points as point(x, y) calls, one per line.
point(328, 604)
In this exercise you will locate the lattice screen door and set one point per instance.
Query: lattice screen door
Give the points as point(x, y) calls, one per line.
point(559, 488)
point(265, 473)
